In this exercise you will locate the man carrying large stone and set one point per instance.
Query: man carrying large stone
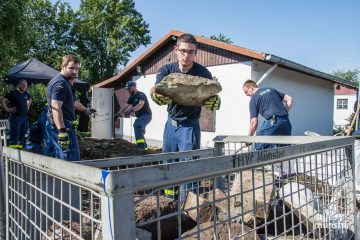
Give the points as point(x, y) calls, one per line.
point(182, 129)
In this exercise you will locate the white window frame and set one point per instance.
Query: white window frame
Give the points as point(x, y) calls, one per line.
point(342, 103)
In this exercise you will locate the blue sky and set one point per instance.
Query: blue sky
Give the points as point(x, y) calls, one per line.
point(321, 34)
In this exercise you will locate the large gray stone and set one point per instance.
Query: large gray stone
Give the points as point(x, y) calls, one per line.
point(223, 231)
point(188, 90)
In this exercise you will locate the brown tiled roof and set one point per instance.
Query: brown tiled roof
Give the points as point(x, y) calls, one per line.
point(126, 72)
point(167, 37)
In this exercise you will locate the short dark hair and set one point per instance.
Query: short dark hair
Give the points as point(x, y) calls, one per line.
point(250, 83)
point(69, 58)
point(186, 38)
point(21, 81)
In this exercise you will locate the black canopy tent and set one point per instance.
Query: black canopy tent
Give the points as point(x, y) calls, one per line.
point(35, 71)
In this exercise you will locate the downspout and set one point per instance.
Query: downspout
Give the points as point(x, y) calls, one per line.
point(357, 105)
point(266, 74)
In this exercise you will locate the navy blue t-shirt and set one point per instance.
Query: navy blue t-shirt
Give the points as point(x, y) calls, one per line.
point(176, 111)
point(134, 100)
point(19, 100)
point(60, 89)
point(267, 102)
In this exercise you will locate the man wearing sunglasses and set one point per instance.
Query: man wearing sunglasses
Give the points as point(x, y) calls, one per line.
point(182, 129)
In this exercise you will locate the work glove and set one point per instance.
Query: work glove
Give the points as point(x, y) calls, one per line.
point(160, 99)
point(213, 103)
point(128, 112)
point(64, 139)
point(89, 111)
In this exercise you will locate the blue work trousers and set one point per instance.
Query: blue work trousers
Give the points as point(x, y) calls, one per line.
point(51, 142)
point(280, 127)
point(178, 137)
point(36, 137)
point(18, 128)
point(139, 129)
point(181, 136)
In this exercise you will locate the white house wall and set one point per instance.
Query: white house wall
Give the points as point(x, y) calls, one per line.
point(155, 128)
point(312, 109)
point(229, 119)
point(341, 115)
point(313, 98)
point(232, 118)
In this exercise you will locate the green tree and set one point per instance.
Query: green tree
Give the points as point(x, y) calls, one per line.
point(107, 31)
point(34, 28)
point(38, 96)
point(349, 75)
point(221, 38)
point(52, 24)
point(15, 33)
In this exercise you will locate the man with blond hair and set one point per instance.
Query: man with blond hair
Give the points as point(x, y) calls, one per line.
point(60, 132)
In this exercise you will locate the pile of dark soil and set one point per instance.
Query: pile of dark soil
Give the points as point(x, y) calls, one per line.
point(93, 148)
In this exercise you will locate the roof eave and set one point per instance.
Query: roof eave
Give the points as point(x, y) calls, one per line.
point(138, 60)
point(175, 33)
point(301, 68)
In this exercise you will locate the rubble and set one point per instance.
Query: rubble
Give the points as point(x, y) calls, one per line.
point(203, 210)
point(67, 231)
point(238, 231)
point(248, 201)
point(304, 204)
point(188, 90)
point(147, 209)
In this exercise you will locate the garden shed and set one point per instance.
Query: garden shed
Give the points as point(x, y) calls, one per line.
point(312, 90)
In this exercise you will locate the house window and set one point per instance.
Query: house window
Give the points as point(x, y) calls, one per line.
point(342, 103)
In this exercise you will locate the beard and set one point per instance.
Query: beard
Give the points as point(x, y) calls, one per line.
point(71, 76)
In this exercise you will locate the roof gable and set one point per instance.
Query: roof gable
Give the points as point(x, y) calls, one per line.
point(169, 39)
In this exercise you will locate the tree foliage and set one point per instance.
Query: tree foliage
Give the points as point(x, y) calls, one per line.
point(349, 75)
point(102, 32)
point(38, 96)
point(221, 38)
point(106, 32)
point(52, 24)
point(14, 32)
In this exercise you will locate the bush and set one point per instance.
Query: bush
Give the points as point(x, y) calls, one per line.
point(5, 89)
point(38, 95)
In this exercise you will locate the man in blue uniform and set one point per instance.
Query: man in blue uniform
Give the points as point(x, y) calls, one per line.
point(35, 141)
point(59, 130)
point(139, 104)
point(182, 129)
point(271, 105)
point(20, 101)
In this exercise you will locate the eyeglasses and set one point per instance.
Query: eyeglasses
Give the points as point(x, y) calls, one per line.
point(188, 51)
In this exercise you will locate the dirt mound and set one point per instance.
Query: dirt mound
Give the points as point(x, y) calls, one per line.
point(148, 210)
point(93, 148)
